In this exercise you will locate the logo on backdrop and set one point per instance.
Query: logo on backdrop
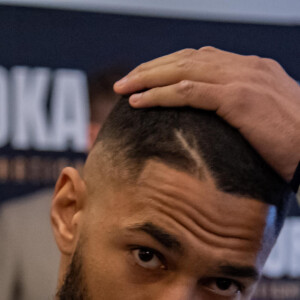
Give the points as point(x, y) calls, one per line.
point(44, 116)
point(42, 109)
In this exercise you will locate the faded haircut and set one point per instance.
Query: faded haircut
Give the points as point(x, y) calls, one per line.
point(194, 141)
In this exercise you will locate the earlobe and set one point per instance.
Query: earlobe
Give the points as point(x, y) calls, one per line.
point(67, 205)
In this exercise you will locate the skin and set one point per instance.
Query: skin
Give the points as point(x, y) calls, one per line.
point(188, 244)
point(253, 94)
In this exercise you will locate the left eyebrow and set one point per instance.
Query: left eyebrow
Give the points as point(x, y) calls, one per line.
point(239, 271)
point(166, 239)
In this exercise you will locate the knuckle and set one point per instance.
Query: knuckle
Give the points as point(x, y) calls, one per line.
point(242, 92)
point(184, 64)
point(255, 61)
point(263, 63)
point(139, 77)
point(239, 95)
point(207, 49)
point(254, 58)
point(187, 59)
point(140, 68)
point(151, 94)
point(270, 63)
point(188, 52)
point(185, 88)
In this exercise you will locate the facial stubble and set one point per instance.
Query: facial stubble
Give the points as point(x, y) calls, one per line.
point(74, 286)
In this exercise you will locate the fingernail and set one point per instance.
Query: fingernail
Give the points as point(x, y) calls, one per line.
point(122, 81)
point(135, 98)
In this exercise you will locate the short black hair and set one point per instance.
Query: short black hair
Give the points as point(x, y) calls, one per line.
point(139, 135)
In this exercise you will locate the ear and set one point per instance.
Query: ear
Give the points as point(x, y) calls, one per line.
point(66, 211)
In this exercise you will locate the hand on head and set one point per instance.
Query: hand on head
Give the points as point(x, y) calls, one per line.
point(253, 94)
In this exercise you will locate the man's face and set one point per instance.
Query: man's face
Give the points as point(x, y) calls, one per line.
point(171, 236)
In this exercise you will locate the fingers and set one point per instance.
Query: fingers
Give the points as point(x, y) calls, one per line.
point(160, 61)
point(145, 79)
point(169, 74)
point(162, 71)
point(185, 93)
point(207, 64)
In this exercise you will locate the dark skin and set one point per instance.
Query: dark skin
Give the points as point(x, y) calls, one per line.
point(169, 236)
point(253, 94)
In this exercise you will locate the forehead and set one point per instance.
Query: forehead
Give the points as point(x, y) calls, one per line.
point(209, 223)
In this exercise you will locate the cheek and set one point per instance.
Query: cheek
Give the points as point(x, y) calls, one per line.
point(107, 270)
point(99, 265)
point(110, 272)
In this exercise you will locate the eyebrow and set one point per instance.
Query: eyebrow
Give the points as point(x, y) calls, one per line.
point(170, 242)
point(239, 271)
point(166, 239)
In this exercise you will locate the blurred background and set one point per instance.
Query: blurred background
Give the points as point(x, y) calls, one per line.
point(58, 61)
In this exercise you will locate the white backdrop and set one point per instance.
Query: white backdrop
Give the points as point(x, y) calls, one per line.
point(254, 11)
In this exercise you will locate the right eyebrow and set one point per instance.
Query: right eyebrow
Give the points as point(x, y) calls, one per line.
point(166, 239)
point(239, 271)
point(170, 242)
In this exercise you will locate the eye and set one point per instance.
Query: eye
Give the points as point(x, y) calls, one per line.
point(147, 258)
point(224, 287)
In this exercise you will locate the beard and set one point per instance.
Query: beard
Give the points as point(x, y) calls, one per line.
point(74, 287)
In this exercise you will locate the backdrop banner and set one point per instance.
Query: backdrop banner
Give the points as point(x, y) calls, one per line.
point(46, 56)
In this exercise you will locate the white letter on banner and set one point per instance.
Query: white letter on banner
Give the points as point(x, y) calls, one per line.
point(3, 107)
point(30, 91)
point(70, 110)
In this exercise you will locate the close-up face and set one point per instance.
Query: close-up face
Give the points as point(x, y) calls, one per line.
point(171, 236)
